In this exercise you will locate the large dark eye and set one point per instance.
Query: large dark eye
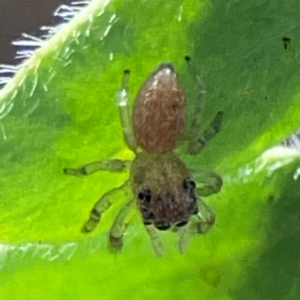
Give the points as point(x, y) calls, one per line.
point(188, 184)
point(182, 223)
point(149, 217)
point(162, 226)
point(145, 195)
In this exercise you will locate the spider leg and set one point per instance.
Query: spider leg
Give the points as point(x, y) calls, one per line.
point(183, 239)
point(102, 205)
point(112, 165)
point(208, 182)
point(212, 183)
point(199, 102)
point(204, 219)
point(120, 225)
point(125, 113)
point(156, 241)
point(197, 143)
point(196, 139)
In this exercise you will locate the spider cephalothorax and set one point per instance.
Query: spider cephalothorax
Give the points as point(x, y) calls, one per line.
point(162, 185)
point(164, 191)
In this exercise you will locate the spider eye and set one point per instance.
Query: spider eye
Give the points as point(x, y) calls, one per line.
point(182, 223)
point(148, 217)
point(145, 195)
point(162, 226)
point(188, 184)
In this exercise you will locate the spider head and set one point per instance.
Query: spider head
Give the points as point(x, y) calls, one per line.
point(164, 190)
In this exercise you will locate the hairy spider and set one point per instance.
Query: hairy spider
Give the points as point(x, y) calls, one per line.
point(163, 187)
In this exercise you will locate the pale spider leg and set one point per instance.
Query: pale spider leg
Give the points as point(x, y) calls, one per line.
point(210, 182)
point(198, 141)
point(156, 241)
point(103, 204)
point(125, 113)
point(199, 103)
point(112, 165)
point(183, 239)
point(204, 219)
point(120, 225)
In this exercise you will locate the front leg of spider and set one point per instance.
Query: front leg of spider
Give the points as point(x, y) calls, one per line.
point(120, 225)
point(102, 205)
point(112, 165)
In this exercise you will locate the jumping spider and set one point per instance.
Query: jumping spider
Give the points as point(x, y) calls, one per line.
point(161, 185)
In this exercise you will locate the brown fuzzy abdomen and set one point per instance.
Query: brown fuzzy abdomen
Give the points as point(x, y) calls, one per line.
point(158, 120)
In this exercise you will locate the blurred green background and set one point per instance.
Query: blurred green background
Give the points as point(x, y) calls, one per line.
point(59, 111)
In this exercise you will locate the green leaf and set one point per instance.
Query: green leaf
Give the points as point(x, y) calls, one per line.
point(58, 111)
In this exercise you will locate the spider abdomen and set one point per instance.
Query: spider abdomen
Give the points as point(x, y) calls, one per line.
point(159, 111)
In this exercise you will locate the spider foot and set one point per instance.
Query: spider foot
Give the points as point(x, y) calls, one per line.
point(199, 142)
point(115, 243)
point(203, 220)
point(75, 172)
point(92, 222)
point(212, 185)
point(204, 226)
